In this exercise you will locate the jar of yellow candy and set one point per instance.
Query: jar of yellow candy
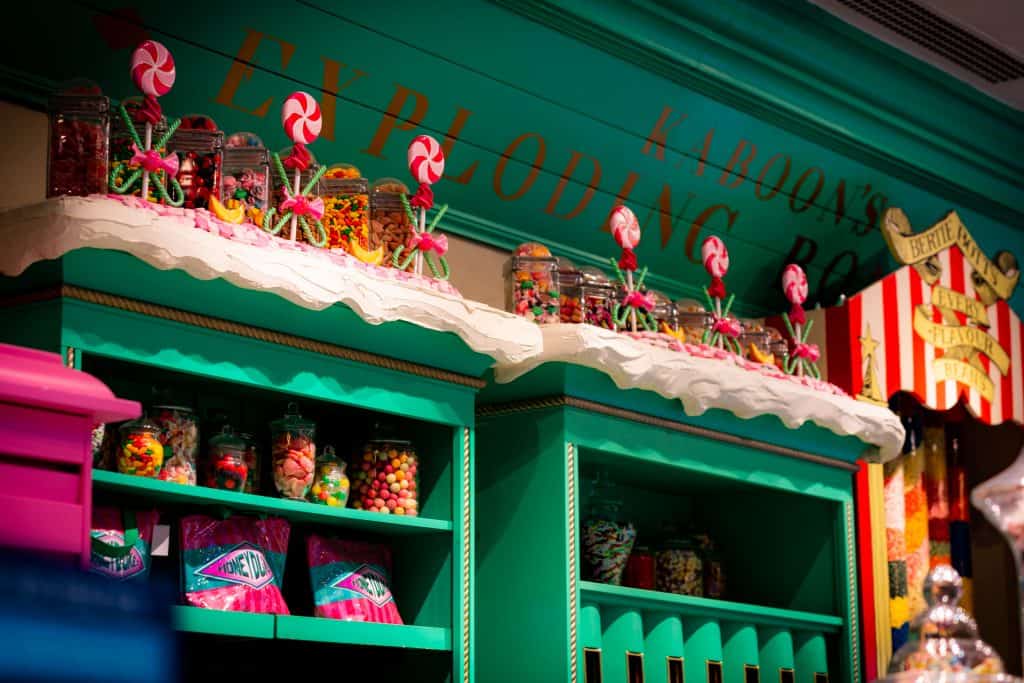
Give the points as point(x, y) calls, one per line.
point(330, 485)
point(140, 452)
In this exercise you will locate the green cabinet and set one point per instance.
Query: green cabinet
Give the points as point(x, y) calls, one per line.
point(781, 516)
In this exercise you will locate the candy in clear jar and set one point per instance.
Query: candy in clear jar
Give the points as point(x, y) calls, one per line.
point(245, 178)
point(226, 462)
point(179, 434)
point(252, 461)
point(693, 320)
point(280, 195)
point(598, 295)
point(385, 476)
point(679, 567)
point(640, 568)
point(346, 196)
point(606, 540)
point(664, 313)
point(122, 142)
point(140, 451)
point(390, 226)
point(293, 453)
point(79, 139)
point(755, 342)
point(570, 301)
point(532, 283)
point(199, 146)
point(330, 485)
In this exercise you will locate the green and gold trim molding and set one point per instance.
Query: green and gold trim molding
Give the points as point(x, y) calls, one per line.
point(467, 554)
point(570, 471)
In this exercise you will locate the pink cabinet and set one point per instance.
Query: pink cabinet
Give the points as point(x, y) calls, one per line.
point(47, 413)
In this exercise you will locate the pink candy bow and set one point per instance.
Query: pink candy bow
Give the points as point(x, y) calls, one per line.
point(301, 206)
point(640, 301)
point(427, 242)
point(152, 162)
point(808, 351)
point(727, 327)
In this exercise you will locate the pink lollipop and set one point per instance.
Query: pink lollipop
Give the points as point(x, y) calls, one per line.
point(794, 283)
point(624, 226)
point(301, 117)
point(426, 159)
point(152, 68)
point(716, 257)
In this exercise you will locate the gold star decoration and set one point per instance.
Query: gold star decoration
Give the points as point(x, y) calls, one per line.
point(870, 391)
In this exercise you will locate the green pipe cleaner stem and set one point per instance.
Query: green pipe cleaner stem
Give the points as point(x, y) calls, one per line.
point(409, 213)
point(789, 326)
point(728, 305)
point(618, 271)
point(408, 260)
point(314, 180)
point(807, 330)
point(437, 218)
point(167, 136)
point(129, 124)
point(279, 167)
point(640, 280)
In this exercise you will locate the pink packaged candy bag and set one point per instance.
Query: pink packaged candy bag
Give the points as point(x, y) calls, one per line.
point(235, 564)
point(351, 580)
point(121, 542)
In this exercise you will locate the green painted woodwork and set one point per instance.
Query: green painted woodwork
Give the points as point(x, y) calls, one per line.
point(663, 638)
point(362, 633)
point(703, 642)
point(811, 657)
point(662, 102)
point(199, 497)
point(776, 652)
point(623, 633)
point(739, 651)
point(239, 624)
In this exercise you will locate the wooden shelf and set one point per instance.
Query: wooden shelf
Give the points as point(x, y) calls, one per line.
point(362, 633)
point(723, 610)
point(296, 511)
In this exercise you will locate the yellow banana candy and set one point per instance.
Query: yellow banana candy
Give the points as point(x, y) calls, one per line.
point(235, 215)
point(760, 356)
point(374, 258)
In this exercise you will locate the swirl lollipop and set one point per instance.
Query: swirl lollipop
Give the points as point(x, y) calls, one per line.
point(302, 121)
point(636, 304)
point(724, 331)
point(805, 356)
point(152, 70)
point(426, 164)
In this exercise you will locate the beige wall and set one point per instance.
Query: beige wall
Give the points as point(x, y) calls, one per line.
point(476, 269)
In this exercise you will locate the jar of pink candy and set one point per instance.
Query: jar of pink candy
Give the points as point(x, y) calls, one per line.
point(79, 139)
point(245, 175)
point(385, 477)
point(293, 453)
point(597, 294)
point(532, 283)
point(179, 434)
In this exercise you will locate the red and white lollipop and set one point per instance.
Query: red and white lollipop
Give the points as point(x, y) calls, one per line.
point(715, 257)
point(624, 226)
point(794, 285)
point(152, 68)
point(301, 118)
point(426, 159)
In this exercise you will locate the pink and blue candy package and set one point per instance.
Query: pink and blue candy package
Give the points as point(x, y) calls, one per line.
point(121, 543)
point(351, 580)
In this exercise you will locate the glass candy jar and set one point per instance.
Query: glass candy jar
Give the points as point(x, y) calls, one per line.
point(121, 142)
point(252, 461)
point(693, 320)
point(79, 139)
point(598, 294)
point(346, 196)
point(390, 227)
point(606, 539)
point(777, 345)
point(179, 434)
point(140, 451)
point(293, 453)
point(755, 342)
point(531, 283)
point(227, 468)
point(640, 568)
point(199, 146)
point(664, 313)
point(679, 567)
point(570, 300)
point(330, 485)
point(245, 176)
point(386, 476)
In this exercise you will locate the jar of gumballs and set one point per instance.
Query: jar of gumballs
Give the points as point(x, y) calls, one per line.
point(570, 302)
point(346, 196)
point(252, 461)
point(678, 565)
point(390, 226)
point(245, 175)
point(293, 453)
point(79, 140)
point(386, 475)
point(199, 146)
point(121, 142)
point(330, 485)
point(227, 468)
point(598, 294)
point(140, 451)
point(605, 536)
point(531, 277)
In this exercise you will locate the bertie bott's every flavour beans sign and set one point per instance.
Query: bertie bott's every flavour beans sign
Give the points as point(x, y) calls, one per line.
point(542, 134)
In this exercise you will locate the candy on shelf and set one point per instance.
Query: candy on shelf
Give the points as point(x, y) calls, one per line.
point(235, 564)
point(532, 284)
point(426, 163)
point(121, 541)
point(755, 342)
point(598, 295)
point(570, 299)
point(179, 434)
point(386, 476)
point(245, 180)
point(390, 225)
point(664, 312)
point(252, 462)
point(711, 560)
point(140, 451)
point(199, 146)
point(632, 308)
point(351, 580)
point(640, 568)
point(679, 566)
point(293, 453)
point(79, 140)
point(346, 196)
point(227, 468)
point(725, 330)
point(804, 359)
point(693, 320)
point(331, 485)
point(606, 539)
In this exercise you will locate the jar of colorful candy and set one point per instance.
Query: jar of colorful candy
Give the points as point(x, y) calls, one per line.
point(140, 451)
point(346, 196)
point(121, 141)
point(664, 313)
point(199, 146)
point(245, 176)
point(227, 469)
point(79, 139)
point(330, 486)
point(570, 300)
point(179, 434)
point(606, 539)
point(679, 567)
point(293, 453)
point(598, 294)
point(754, 341)
point(531, 277)
point(386, 476)
point(252, 461)
point(693, 320)
point(640, 568)
point(390, 226)
point(777, 345)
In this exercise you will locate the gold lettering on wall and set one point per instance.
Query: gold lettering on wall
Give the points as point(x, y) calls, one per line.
point(242, 69)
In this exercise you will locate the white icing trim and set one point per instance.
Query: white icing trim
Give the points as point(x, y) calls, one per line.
point(706, 381)
point(194, 241)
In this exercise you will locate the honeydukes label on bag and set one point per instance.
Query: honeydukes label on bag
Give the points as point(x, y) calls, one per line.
point(365, 581)
point(122, 566)
point(243, 564)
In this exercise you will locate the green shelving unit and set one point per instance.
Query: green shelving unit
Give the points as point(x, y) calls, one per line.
point(777, 502)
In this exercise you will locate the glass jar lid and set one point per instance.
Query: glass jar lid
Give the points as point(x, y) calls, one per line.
point(532, 250)
point(79, 96)
point(389, 186)
point(142, 424)
point(592, 276)
point(292, 420)
point(242, 140)
point(227, 439)
point(328, 454)
point(248, 438)
point(177, 409)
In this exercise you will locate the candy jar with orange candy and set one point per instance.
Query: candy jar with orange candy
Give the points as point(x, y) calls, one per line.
point(293, 452)
point(532, 283)
point(346, 196)
point(140, 452)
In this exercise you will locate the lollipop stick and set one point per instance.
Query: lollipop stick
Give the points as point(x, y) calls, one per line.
point(147, 143)
point(798, 337)
point(418, 268)
point(632, 311)
point(295, 193)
